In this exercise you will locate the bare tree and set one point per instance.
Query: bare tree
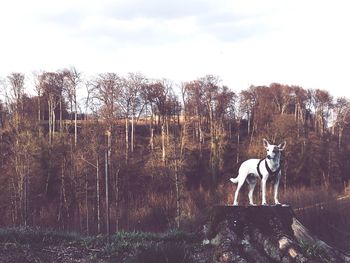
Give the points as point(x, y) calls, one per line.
point(39, 91)
point(300, 98)
point(322, 105)
point(52, 86)
point(130, 103)
point(157, 94)
point(72, 79)
point(16, 83)
point(104, 92)
point(195, 107)
point(23, 148)
point(342, 117)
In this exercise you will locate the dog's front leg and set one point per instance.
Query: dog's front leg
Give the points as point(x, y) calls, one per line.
point(275, 188)
point(263, 191)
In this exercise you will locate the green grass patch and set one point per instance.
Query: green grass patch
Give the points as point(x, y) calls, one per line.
point(171, 246)
point(37, 236)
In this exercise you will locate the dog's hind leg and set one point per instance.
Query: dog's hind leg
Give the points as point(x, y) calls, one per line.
point(239, 185)
point(250, 194)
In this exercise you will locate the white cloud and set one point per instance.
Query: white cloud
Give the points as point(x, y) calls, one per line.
point(244, 42)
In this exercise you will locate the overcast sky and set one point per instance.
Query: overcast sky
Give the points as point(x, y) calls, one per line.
point(246, 42)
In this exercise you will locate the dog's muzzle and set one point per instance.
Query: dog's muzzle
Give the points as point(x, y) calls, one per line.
point(269, 157)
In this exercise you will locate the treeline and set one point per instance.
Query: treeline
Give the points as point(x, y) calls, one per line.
point(129, 153)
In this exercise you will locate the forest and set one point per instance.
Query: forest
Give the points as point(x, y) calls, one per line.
point(112, 152)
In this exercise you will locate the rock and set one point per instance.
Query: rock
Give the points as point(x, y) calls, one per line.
point(261, 234)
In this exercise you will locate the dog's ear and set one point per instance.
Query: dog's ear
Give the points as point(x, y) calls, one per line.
point(266, 143)
point(282, 146)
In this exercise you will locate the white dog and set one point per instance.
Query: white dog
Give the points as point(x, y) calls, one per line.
point(254, 169)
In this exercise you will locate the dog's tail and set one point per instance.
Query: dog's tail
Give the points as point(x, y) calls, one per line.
point(234, 180)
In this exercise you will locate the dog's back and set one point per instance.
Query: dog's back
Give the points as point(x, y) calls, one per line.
point(247, 167)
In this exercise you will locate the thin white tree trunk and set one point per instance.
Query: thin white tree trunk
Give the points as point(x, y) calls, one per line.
point(50, 120)
point(61, 123)
point(127, 136)
point(53, 124)
point(98, 196)
point(75, 121)
point(163, 143)
point(107, 168)
point(132, 130)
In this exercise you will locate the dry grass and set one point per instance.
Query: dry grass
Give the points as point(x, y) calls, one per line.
point(318, 208)
point(326, 212)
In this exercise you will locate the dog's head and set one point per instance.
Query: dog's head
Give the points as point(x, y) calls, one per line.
point(273, 151)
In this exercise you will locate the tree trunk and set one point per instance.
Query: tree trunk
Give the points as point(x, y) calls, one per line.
point(63, 200)
point(163, 142)
point(132, 128)
point(238, 142)
point(48, 172)
point(107, 168)
point(12, 199)
point(116, 190)
point(53, 124)
point(87, 204)
point(152, 131)
point(340, 136)
point(151, 138)
point(61, 122)
point(248, 122)
point(75, 121)
point(25, 199)
point(329, 164)
point(178, 197)
point(26, 190)
point(98, 196)
point(167, 131)
point(126, 138)
point(201, 137)
point(39, 116)
point(50, 120)
point(78, 204)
